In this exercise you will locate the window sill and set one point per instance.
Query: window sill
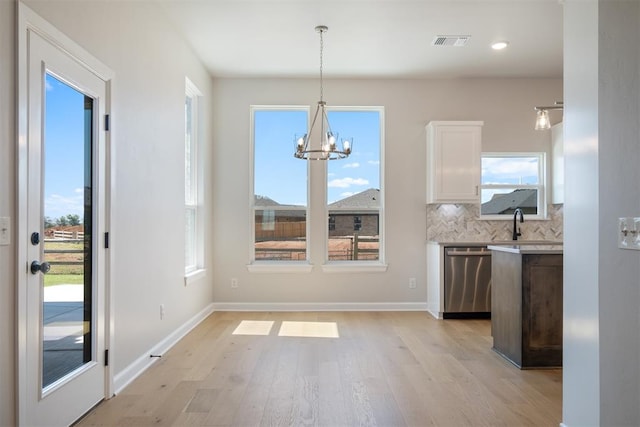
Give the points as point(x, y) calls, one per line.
point(354, 267)
point(193, 276)
point(279, 267)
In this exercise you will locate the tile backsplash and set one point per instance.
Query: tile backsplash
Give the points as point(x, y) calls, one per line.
point(460, 222)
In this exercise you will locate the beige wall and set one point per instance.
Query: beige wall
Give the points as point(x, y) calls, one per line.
point(505, 105)
point(150, 63)
point(7, 208)
point(601, 375)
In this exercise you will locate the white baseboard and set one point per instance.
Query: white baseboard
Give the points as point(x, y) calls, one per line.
point(433, 310)
point(320, 306)
point(131, 372)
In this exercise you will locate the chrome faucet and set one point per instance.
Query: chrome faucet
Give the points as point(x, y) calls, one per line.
point(516, 231)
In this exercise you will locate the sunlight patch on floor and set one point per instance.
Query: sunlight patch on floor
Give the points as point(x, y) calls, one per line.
point(254, 327)
point(309, 329)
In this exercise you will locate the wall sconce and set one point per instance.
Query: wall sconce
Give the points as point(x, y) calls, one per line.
point(542, 115)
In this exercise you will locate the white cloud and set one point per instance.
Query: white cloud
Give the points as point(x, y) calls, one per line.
point(374, 162)
point(347, 182)
point(79, 191)
point(47, 86)
point(352, 165)
point(510, 166)
point(347, 194)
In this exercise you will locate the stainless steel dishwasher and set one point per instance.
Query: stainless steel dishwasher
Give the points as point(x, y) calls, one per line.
point(467, 282)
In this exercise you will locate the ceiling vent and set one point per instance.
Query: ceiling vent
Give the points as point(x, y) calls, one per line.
point(457, 41)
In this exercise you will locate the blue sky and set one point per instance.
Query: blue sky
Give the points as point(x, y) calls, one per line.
point(282, 177)
point(64, 150)
point(508, 171)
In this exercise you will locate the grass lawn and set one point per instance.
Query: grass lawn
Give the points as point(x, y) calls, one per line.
point(63, 279)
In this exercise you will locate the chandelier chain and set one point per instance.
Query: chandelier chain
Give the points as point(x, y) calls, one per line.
point(321, 51)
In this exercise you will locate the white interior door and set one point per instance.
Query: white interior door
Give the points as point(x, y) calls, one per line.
point(62, 295)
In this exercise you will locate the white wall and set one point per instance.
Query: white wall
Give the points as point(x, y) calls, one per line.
point(7, 208)
point(150, 62)
point(505, 105)
point(601, 376)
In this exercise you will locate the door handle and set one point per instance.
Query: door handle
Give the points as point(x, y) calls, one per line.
point(42, 268)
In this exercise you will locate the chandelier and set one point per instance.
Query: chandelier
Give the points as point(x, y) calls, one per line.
point(542, 115)
point(325, 148)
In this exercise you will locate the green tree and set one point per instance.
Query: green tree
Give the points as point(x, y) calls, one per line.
point(48, 222)
point(73, 219)
point(62, 221)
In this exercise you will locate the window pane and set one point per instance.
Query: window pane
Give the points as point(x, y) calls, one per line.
point(281, 234)
point(279, 178)
point(510, 170)
point(361, 170)
point(505, 201)
point(280, 186)
point(347, 244)
point(353, 188)
point(190, 238)
point(189, 154)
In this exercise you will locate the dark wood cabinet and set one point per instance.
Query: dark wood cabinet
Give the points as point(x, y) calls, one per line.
point(526, 311)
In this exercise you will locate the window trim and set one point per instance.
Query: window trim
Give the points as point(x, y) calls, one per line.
point(541, 187)
point(358, 266)
point(306, 266)
point(197, 270)
point(274, 266)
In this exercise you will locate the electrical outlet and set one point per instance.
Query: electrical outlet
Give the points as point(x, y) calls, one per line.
point(234, 282)
point(161, 311)
point(412, 282)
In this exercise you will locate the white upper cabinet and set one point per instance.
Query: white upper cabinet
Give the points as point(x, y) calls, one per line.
point(453, 161)
point(557, 164)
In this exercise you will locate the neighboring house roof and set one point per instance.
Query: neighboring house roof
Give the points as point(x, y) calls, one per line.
point(500, 203)
point(264, 201)
point(267, 202)
point(366, 199)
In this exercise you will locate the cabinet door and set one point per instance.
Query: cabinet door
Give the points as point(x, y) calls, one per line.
point(454, 162)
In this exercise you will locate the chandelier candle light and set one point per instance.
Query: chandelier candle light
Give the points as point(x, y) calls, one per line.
point(326, 148)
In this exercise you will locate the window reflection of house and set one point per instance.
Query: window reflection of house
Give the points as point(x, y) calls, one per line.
point(505, 204)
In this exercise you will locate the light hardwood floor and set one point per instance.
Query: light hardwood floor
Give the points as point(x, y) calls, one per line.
point(384, 369)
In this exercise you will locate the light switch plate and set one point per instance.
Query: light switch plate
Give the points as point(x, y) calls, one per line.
point(5, 231)
point(629, 233)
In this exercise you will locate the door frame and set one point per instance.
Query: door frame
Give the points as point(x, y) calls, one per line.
point(28, 21)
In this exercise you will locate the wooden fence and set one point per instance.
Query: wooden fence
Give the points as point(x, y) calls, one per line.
point(280, 230)
point(64, 251)
point(354, 252)
point(61, 234)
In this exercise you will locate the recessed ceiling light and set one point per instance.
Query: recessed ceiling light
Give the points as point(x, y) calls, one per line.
point(499, 45)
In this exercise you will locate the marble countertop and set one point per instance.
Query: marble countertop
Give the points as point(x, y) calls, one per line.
point(528, 249)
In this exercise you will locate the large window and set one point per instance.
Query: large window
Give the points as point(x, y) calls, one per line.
point(348, 201)
point(279, 185)
point(354, 188)
point(193, 251)
point(510, 181)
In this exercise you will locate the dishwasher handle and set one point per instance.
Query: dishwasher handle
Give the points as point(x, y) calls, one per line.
point(467, 254)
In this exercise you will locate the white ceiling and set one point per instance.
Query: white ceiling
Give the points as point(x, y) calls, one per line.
point(372, 38)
